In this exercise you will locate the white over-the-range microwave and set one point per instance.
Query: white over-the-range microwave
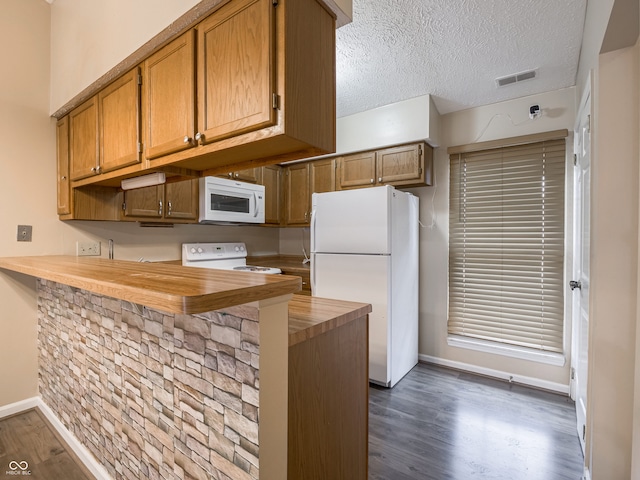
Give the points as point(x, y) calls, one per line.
point(230, 202)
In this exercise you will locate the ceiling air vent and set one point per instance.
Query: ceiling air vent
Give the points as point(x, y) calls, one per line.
point(516, 77)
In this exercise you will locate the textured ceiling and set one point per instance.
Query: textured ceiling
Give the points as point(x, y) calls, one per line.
point(454, 50)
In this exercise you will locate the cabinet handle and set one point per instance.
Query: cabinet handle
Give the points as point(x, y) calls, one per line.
point(372, 181)
point(160, 207)
point(168, 209)
point(63, 177)
point(98, 169)
point(379, 179)
point(93, 169)
point(237, 175)
point(199, 136)
point(230, 174)
point(186, 139)
point(306, 215)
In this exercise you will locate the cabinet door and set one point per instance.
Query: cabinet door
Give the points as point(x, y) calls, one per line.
point(297, 205)
point(144, 202)
point(119, 111)
point(64, 185)
point(236, 70)
point(271, 175)
point(182, 200)
point(400, 165)
point(251, 175)
point(357, 170)
point(83, 140)
point(168, 84)
point(323, 175)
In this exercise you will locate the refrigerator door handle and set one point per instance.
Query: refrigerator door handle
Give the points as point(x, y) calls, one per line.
point(313, 230)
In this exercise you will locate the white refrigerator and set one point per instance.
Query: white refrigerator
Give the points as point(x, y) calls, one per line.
point(364, 248)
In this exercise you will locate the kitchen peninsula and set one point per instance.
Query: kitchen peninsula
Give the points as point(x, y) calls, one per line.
point(171, 371)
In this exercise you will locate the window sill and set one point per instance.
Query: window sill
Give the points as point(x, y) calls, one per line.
point(522, 353)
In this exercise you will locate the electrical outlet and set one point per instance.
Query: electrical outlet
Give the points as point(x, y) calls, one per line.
point(86, 249)
point(24, 233)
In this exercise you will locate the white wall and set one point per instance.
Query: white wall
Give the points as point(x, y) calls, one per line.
point(27, 183)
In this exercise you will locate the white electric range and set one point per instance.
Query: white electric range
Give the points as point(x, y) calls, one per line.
point(223, 256)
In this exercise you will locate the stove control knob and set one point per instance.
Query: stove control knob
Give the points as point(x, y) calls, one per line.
point(237, 248)
point(242, 248)
point(193, 250)
point(200, 250)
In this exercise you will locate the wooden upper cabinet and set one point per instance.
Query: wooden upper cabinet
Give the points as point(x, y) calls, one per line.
point(400, 165)
point(168, 98)
point(119, 114)
point(171, 202)
point(322, 176)
point(236, 70)
point(250, 175)
point(83, 139)
point(63, 182)
point(144, 202)
point(298, 196)
point(271, 179)
point(357, 170)
point(182, 200)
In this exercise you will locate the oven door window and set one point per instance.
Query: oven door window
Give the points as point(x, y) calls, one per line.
point(229, 203)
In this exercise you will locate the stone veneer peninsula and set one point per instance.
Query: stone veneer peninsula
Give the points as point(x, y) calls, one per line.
point(163, 371)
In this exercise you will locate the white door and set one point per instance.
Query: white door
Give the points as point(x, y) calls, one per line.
point(351, 221)
point(360, 278)
point(580, 281)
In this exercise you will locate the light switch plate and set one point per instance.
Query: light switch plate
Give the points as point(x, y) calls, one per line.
point(24, 233)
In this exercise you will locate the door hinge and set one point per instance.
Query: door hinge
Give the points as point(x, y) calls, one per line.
point(275, 3)
point(575, 159)
point(139, 147)
point(573, 373)
point(589, 123)
point(275, 101)
point(584, 432)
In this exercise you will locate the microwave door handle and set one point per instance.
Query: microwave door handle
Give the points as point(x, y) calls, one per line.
point(255, 204)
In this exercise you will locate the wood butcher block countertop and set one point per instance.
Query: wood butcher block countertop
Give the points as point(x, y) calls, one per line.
point(312, 316)
point(171, 288)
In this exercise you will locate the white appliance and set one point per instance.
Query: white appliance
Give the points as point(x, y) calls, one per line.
point(223, 256)
point(229, 201)
point(364, 248)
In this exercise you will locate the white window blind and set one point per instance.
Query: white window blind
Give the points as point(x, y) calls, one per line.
point(506, 245)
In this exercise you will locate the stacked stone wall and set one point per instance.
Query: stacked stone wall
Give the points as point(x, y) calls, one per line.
point(149, 393)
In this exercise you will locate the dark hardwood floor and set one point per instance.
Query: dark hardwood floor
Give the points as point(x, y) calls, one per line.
point(29, 448)
point(443, 424)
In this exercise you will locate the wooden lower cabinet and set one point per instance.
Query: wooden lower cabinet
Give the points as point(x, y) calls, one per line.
point(328, 405)
point(168, 203)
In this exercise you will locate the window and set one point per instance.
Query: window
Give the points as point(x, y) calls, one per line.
point(506, 245)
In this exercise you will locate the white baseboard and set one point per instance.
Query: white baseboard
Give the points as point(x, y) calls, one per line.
point(510, 377)
point(80, 450)
point(21, 406)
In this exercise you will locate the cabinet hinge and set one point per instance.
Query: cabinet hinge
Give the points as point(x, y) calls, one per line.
point(419, 170)
point(139, 79)
point(275, 101)
point(419, 150)
point(588, 123)
point(139, 147)
point(575, 162)
point(124, 206)
point(275, 3)
point(573, 373)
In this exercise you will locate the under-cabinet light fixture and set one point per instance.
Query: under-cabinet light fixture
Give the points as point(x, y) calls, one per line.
point(144, 181)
